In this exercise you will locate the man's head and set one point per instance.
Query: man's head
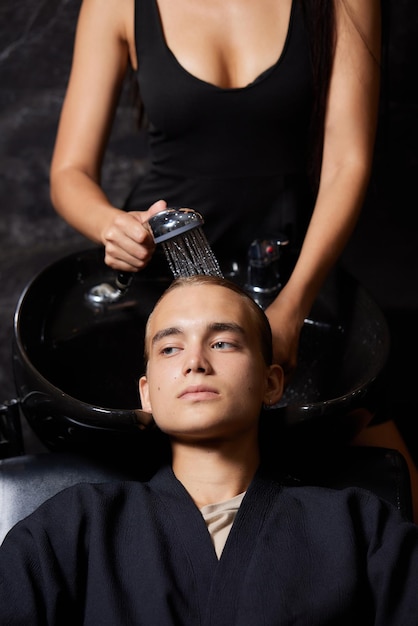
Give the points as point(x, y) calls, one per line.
point(261, 323)
point(208, 353)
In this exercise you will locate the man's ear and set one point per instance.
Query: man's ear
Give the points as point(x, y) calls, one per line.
point(274, 386)
point(144, 394)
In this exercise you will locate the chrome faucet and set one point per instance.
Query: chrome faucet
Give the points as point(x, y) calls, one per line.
point(264, 280)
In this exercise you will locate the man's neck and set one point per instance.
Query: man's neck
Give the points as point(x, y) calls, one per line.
point(214, 473)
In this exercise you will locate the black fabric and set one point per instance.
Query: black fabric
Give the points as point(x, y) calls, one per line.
point(382, 471)
point(238, 156)
point(133, 553)
point(26, 481)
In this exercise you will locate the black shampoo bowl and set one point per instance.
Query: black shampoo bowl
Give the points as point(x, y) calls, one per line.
point(77, 365)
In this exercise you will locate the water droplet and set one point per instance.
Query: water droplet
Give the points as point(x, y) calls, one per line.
point(191, 254)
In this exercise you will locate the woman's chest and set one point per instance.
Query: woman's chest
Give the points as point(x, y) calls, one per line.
point(225, 43)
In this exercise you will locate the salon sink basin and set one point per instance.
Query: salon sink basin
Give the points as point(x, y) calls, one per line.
point(77, 364)
point(344, 347)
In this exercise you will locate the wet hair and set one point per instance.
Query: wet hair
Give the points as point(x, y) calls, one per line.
point(257, 315)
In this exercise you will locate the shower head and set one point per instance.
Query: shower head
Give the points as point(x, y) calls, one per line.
point(173, 222)
point(185, 245)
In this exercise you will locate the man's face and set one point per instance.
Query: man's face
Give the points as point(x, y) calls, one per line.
point(206, 377)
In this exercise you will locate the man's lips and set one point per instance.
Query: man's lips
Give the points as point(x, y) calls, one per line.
point(198, 392)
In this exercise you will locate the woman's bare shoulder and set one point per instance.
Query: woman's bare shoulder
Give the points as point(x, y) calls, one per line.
point(108, 21)
point(117, 13)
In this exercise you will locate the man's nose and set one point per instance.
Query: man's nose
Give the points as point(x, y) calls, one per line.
point(196, 360)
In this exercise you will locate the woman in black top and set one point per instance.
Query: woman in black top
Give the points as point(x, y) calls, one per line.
point(262, 116)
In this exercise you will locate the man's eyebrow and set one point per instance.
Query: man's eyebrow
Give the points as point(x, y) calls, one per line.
point(227, 326)
point(165, 332)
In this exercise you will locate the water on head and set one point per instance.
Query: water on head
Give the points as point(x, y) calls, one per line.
point(190, 254)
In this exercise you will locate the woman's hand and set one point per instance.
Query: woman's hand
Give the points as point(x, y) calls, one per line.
point(128, 241)
point(286, 324)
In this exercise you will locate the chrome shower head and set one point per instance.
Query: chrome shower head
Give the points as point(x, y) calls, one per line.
point(172, 222)
point(186, 248)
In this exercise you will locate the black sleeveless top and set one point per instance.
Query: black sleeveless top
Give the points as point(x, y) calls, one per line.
point(238, 156)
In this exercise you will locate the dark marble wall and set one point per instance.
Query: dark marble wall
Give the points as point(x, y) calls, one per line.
point(35, 53)
point(36, 40)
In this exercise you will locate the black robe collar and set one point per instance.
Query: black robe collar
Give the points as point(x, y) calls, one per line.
point(219, 583)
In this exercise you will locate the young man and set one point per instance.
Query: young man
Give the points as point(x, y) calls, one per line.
point(211, 539)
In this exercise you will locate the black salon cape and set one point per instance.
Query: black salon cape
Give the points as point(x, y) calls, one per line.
point(140, 554)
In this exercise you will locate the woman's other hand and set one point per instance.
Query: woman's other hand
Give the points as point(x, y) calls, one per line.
point(286, 323)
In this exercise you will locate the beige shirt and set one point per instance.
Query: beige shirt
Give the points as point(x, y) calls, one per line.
point(219, 518)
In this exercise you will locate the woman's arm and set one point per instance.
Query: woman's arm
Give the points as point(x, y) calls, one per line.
point(103, 49)
point(349, 137)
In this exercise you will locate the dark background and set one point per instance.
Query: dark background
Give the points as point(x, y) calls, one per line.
point(36, 41)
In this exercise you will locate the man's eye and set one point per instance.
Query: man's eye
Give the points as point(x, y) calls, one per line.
point(169, 350)
point(223, 345)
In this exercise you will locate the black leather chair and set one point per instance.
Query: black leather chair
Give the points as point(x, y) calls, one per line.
point(28, 480)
